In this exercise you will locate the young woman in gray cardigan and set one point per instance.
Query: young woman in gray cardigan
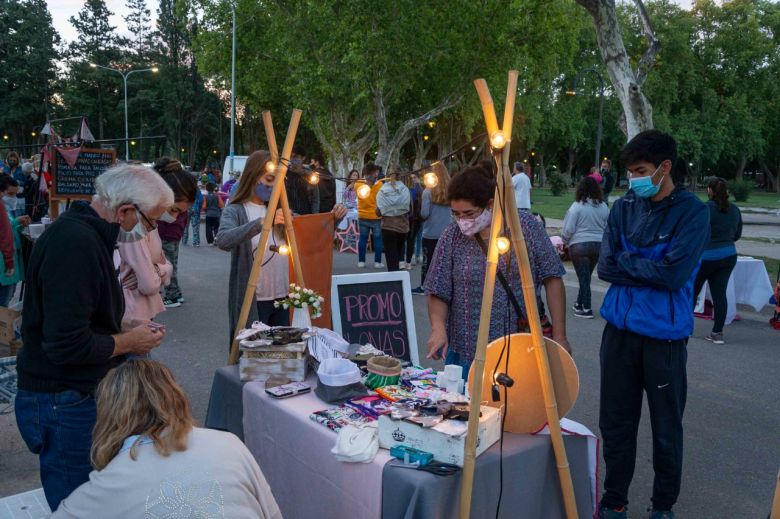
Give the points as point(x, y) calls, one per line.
point(236, 233)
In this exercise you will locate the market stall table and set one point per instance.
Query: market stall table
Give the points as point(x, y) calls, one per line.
point(748, 285)
point(307, 481)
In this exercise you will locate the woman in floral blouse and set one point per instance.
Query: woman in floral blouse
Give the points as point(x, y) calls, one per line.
point(455, 280)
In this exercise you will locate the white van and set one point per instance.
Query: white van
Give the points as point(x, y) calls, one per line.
point(239, 161)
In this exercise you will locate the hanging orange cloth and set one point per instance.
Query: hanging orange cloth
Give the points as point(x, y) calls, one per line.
point(314, 235)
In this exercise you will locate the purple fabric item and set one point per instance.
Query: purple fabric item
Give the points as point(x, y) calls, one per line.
point(173, 231)
point(457, 275)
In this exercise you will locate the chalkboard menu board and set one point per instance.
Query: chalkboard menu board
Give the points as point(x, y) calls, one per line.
point(78, 181)
point(376, 309)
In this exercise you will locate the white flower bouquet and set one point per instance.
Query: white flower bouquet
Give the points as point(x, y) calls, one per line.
point(300, 297)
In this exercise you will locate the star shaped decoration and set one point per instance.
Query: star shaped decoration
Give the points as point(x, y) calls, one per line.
point(348, 238)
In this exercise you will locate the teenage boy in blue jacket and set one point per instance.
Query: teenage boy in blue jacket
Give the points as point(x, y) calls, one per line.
point(650, 253)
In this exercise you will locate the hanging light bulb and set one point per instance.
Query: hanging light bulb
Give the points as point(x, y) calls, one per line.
point(314, 178)
point(430, 180)
point(497, 140)
point(502, 244)
point(270, 167)
point(363, 191)
point(284, 250)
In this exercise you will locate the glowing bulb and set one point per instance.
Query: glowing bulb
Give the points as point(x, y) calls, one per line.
point(430, 180)
point(363, 191)
point(473, 148)
point(34, 134)
point(284, 250)
point(314, 178)
point(132, 143)
point(497, 140)
point(502, 244)
point(431, 124)
point(425, 137)
point(270, 166)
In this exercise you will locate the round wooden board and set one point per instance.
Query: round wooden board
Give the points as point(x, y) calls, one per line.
point(526, 412)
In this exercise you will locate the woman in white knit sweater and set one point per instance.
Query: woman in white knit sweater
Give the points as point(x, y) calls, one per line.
point(152, 462)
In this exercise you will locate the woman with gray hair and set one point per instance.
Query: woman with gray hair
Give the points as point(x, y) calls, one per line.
point(73, 329)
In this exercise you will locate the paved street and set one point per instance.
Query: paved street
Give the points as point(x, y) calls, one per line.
point(732, 452)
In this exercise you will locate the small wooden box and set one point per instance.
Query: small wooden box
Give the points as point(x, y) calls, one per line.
point(259, 361)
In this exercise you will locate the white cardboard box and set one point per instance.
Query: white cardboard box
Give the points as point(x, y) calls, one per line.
point(445, 448)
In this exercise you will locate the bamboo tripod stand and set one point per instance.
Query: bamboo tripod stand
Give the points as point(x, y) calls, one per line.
point(500, 140)
point(776, 500)
point(278, 197)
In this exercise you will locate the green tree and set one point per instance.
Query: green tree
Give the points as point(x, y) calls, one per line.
point(28, 59)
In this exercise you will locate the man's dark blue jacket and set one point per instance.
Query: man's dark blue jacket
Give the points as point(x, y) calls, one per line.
point(651, 253)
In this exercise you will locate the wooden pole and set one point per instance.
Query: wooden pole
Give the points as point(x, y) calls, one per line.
point(504, 199)
point(470, 454)
point(268, 222)
point(288, 216)
point(776, 501)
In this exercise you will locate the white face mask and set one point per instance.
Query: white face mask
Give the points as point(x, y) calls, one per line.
point(167, 217)
point(471, 226)
point(137, 233)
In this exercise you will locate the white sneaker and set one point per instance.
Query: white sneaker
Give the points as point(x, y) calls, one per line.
point(379, 265)
point(361, 264)
point(409, 266)
point(403, 265)
point(414, 260)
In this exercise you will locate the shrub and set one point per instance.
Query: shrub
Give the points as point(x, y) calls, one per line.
point(740, 190)
point(558, 183)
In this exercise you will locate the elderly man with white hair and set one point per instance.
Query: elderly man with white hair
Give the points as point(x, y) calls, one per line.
point(72, 327)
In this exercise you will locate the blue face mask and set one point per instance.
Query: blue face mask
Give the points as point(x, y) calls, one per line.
point(643, 187)
point(263, 192)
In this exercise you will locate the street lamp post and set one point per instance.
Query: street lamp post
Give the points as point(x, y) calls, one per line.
point(125, 75)
point(233, 93)
point(573, 92)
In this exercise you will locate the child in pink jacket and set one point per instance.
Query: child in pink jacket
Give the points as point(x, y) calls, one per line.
point(142, 272)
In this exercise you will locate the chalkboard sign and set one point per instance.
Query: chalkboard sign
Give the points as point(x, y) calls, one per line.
point(376, 309)
point(78, 182)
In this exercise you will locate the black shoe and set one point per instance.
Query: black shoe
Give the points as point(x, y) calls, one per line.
point(576, 307)
point(418, 291)
point(584, 313)
point(661, 514)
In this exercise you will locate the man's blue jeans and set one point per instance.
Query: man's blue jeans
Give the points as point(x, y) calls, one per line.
point(375, 227)
point(58, 428)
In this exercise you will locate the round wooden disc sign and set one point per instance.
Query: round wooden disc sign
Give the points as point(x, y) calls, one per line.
point(526, 410)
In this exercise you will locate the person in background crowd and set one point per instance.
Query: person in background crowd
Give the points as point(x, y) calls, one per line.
point(212, 205)
point(720, 254)
point(73, 329)
point(13, 166)
point(304, 197)
point(368, 221)
point(146, 446)
point(456, 276)
point(583, 229)
point(239, 233)
point(393, 203)
point(522, 186)
point(11, 246)
point(10, 200)
point(350, 197)
point(415, 222)
point(171, 225)
point(650, 254)
point(326, 185)
point(609, 179)
point(436, 215)
point(227, 188)
point(194, 216)
point(35, 201)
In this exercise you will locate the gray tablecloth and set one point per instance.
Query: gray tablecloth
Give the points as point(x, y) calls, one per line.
point(226, 411)
point(305, 478)
point(531, 486)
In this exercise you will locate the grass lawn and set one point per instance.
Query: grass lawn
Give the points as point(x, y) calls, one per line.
point(555, 206)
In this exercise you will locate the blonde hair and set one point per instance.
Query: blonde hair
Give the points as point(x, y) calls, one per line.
point(139, 397)
point(253, 170)
point(439, 193)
